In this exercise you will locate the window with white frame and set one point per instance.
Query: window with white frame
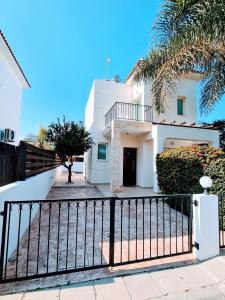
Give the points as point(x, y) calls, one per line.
point(102, 151)
point(180, 106)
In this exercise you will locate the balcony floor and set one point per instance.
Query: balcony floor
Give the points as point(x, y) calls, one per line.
point(128, 126)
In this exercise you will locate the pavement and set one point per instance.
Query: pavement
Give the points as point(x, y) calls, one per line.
point(78, 181)
point(132, 191)
point(205, 280)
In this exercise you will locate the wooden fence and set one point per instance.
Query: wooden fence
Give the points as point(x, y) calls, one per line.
point(23, 161)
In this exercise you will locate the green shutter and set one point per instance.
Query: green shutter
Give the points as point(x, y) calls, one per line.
point(102, 151)
point(180, 107)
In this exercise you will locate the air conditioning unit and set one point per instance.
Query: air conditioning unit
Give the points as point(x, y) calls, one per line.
point(12, 135)
point(2, 135)
point(9, 135)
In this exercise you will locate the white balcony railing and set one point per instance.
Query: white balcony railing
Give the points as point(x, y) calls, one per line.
point(129, 111)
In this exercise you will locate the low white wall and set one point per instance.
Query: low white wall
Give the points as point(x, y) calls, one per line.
point(78, 167)
point(34, 188)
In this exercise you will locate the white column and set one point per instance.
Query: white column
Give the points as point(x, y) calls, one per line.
point(206, 226)
point(115, 159)
point(157, 148)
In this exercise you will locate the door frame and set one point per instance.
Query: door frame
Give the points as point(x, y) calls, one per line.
point(135, 165)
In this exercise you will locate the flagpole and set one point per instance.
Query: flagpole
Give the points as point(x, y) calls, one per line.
point(107, 68)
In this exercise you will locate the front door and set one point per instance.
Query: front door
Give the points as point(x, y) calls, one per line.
point(129, 166)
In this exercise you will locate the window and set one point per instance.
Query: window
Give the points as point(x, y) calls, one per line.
point(102, 151)
point(180, 107)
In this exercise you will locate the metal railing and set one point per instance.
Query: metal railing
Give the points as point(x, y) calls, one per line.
point(129, 111)
point(51, 237)
point(222, 220)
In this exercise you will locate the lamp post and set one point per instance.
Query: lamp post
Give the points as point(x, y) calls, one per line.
point(206, 183)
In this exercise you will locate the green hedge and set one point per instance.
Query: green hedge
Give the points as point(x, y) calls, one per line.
point(216, 170)
point(180, 169)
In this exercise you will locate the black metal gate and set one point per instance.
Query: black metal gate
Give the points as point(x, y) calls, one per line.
point(51, 237)
point(222, 221)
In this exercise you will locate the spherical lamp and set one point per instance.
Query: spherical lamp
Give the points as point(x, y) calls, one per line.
point(206, 183)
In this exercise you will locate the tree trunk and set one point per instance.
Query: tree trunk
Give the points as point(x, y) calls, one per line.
point(69, 173)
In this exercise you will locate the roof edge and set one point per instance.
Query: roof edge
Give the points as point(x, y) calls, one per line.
point(14, 58)
point(196, 75)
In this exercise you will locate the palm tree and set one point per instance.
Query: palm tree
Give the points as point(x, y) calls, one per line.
point(191, 38)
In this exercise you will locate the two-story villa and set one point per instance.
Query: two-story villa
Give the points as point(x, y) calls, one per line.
point(12, 83)
point(128, 133)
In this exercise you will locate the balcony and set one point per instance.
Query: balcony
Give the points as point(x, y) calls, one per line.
point(129, 111)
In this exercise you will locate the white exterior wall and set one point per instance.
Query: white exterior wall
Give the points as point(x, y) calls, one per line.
point(12, 83)
point(10, 99)
point(145, 163)
point(185, 88)
point(102, 97)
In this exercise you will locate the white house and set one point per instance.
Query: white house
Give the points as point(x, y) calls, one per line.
point(12, 83)
point(128, 133)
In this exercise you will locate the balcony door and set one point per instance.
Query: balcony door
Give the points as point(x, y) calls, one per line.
point(129, 166)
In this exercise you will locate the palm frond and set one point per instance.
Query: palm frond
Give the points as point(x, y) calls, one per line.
point(191, 37)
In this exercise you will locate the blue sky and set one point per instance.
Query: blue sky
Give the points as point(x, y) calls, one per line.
point(62, 47)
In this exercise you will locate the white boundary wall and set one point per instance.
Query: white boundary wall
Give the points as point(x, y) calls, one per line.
point(206, 226)
point(34, 188)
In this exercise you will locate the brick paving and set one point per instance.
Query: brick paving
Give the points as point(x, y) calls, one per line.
point(72, 244)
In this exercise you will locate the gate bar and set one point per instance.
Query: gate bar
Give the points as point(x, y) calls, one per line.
point(3, 238)
point(112, 230)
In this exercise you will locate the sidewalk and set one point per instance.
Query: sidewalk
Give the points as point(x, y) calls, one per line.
point(201, 281)
point(132, 191)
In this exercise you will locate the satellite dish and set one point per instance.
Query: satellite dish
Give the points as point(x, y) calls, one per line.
point(117, 78)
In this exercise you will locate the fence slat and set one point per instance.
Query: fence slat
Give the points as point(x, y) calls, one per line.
point(23, 161)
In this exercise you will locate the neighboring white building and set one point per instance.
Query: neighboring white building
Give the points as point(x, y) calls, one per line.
point(12, 83)
point(128, 133)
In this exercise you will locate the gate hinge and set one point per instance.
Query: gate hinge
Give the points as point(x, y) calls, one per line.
point(195, 203)
point(196, 245)
point(2, 213)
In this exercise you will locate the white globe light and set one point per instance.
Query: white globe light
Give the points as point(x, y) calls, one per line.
point(206, 182)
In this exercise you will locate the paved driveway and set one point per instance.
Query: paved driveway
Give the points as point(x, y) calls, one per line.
point(146, 236)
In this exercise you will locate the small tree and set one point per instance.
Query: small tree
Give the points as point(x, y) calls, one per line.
point(39, 140)
point(41, 137)
point(70, 139)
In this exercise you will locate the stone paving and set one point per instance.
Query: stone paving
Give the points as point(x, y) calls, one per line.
point(205, 280)
point(77, 181)
point(133, 191)
point(74, 245)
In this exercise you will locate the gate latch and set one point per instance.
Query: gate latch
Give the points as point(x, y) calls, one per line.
point(195, 203)
point(2, 213)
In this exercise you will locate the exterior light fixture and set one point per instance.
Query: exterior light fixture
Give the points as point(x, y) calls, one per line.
point(206, 183)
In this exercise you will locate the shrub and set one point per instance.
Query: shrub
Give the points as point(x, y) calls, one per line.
point(180, 169)
point(216, 170)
